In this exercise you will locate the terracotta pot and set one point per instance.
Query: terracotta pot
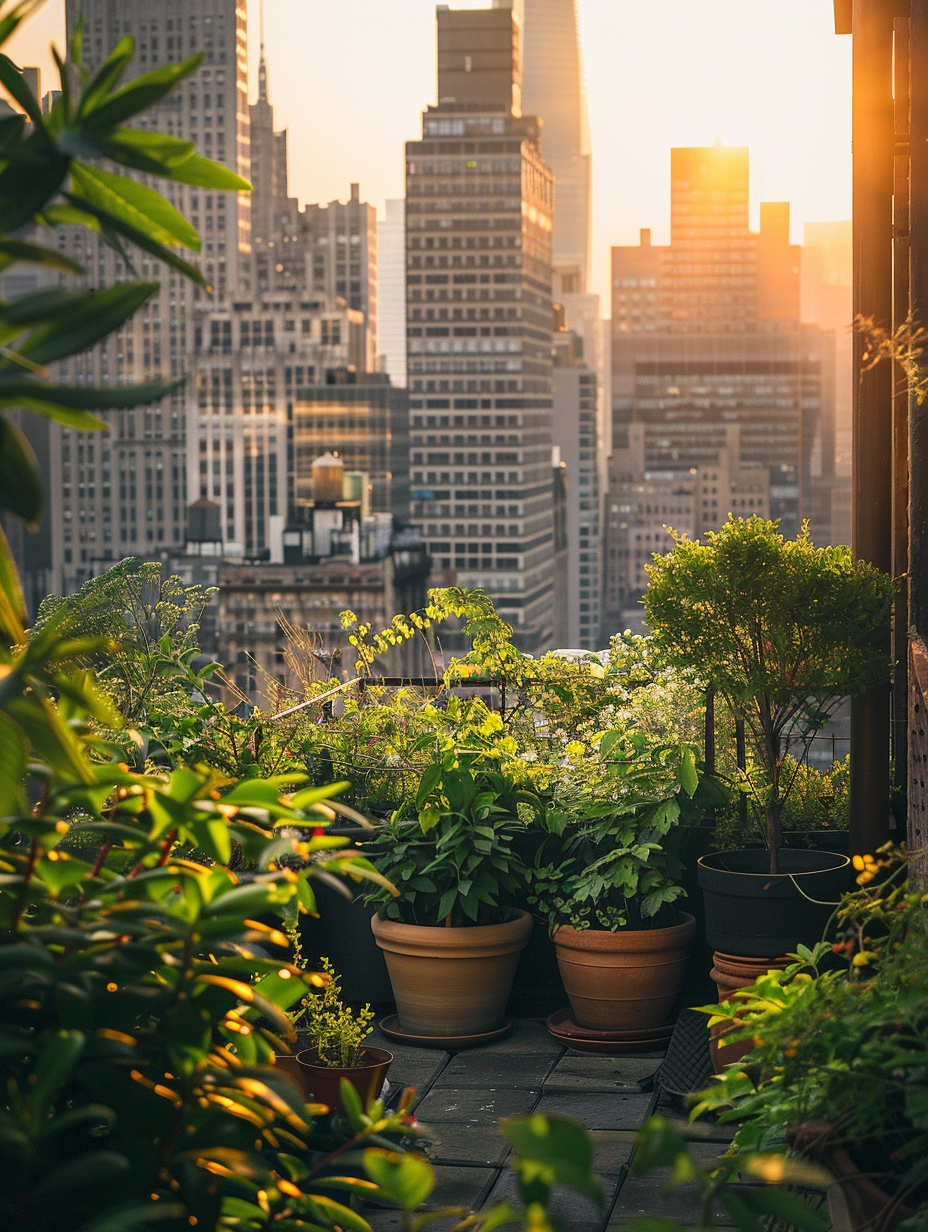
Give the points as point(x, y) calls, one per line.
point(322, 1082)
point(623, 980)
point(731, 972)
point(452, 981)
point(287, 1063)
point(855, 1203)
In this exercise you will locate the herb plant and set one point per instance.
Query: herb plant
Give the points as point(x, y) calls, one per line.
point(331, 1027)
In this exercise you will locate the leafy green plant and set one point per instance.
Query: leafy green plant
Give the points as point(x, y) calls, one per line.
point(332, 1028)
point(457, 861)
point(846, 1049)
point(610, 860)
point(781, 629)
point(725, 1190)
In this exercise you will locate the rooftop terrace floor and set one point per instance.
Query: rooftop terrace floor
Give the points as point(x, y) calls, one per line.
point(463, 1095)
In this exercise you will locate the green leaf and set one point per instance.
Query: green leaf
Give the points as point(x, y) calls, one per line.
point(13, 614)
point(689, 777)
point(20, 250)
point(134, 204)
point(789, 1208)
point(108, 75)
point(139, 95)
point(562, 1145)
point(430, 777)
point(59, 1054)
point(204, 173)
point(407, 1179)
point(20, 483)
point(89, 319)
point(141, 239)
point(14, 82)
point(92, 1168)
point(68, 405)
point(354, 1109)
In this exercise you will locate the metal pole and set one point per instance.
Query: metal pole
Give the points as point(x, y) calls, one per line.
point(872, 424)
point(900, 685)
point(918, 456)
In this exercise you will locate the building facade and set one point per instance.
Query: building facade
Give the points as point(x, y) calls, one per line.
point(479, 205)
point(391, 290)
point(553, 89)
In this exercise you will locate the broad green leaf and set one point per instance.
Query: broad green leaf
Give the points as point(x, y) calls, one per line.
point(202, 172)
point(13, 81)
point(20, 482)
point(20, 250)
point(562, 1145)
point(407, 1179)
point(140, 238)
point(91, 318)
point(139, 95)
point(156, 153)
point(108, 75)
point(135, 204)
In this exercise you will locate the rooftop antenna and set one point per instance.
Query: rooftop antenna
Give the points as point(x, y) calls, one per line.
point(262, 63)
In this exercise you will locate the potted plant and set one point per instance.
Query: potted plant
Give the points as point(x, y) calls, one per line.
point(336, 1035)
point(836, 1054)
point(451, 939)
point(607, 880)
point(781, 630)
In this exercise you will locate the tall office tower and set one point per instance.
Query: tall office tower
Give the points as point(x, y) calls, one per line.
point(553, 89)
point(123, 491)
point(391, 290)
point(706, 335)
point(710, 275)
point(827, 263)
point(278, 261)
point(340, 245)
point(479, 201)
point(576, 434)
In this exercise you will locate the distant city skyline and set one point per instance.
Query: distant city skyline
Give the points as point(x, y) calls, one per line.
point(671, 73)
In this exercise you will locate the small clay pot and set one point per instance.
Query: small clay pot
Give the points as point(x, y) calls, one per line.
point(732, 972)
point(322, 1083)
point(452, 981)
point(625, 980)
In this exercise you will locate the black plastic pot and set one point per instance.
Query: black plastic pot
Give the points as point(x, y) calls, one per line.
point(758, 914)
point(342, 933)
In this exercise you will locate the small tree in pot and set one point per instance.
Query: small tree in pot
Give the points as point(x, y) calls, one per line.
point(781, 629)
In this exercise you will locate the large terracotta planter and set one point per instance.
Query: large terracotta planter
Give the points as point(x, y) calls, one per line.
point(731, 972)
point(623, 980)
point(452, 981)
point(323, 1082)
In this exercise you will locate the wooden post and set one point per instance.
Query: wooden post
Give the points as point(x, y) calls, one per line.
point(873, 391)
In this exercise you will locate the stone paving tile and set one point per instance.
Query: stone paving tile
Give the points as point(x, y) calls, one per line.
point(569, 1209)
point(487, 1067)
point(591, 1073)
point(470, 1107)
point(450, 1142)
point(643, 1195)
point(599, 1111)
point(527, 1035)
point(412, 1067)
point(454, 1187)
point(612, 1149)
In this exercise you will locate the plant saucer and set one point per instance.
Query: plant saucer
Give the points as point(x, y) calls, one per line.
point(390, 1026)
point(612, 1043)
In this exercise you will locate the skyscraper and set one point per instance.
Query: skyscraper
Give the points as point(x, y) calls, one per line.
point(706, 337)
point(124, 491)
point(479, 201)
point(391, 290)
point(553, 89)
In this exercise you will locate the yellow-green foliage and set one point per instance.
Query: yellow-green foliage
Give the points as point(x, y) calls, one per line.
point(332, 1028)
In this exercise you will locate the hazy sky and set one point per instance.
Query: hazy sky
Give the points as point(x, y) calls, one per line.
point(350, 78)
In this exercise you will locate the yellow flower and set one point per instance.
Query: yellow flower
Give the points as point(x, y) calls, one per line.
point(574, 748)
